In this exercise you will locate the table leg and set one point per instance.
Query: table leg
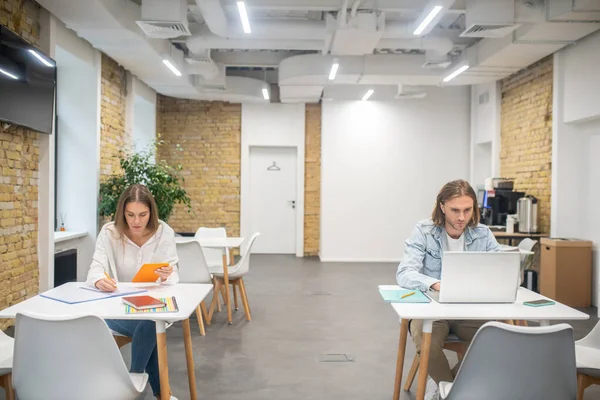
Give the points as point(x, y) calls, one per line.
point(163, 363)
point(189, 357)
point(400, 359)
point(226, 283)
point(424, 358)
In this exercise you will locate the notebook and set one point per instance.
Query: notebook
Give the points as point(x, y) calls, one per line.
point(394, 293)
point(171, 306)
point(142, 302)
point(147, 274)
point(72, 293)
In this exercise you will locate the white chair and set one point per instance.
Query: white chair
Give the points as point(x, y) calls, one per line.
point(516, 362)
point(236, 274)
point(587, 352)
point(6, 363)
point(526, 245)
point(70, 359)
point(214, 257)
point(193, 269)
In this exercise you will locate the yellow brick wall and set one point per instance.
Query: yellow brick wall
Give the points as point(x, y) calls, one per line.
point(19, 154)
point(113, 136)
point(209, 134)
point(312, 180)
point(526, 130)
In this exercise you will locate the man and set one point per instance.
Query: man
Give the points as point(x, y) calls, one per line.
point(454, 226)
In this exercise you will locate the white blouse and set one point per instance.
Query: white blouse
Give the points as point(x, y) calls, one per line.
point(121, 258)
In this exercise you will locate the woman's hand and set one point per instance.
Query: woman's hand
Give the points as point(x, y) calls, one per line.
point(105, 285)
point(164, 272)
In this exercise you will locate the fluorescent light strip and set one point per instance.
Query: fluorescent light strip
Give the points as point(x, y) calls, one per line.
point(456, 73)
point(40, 58)
point(265, 93)
point(368, 94)
point(171, 67)
point(244, 16)
point(333, 72)
point(8, 74)
point(436, 10)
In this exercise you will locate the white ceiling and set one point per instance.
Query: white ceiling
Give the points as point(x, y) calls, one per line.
point(294, 43)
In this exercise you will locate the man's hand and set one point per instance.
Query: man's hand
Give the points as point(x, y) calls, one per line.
point(436, 286)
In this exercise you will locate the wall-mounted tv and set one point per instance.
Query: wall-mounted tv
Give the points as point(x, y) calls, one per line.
point(27, 83)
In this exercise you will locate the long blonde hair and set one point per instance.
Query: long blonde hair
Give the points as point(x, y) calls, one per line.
point(136, 193)
point(450, 191)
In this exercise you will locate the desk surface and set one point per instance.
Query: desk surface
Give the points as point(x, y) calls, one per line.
point(188, 296)
point(503, 234)
point(516, 310)
point(228, 242)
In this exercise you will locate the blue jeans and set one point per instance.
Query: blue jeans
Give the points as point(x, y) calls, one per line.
point(144, 356)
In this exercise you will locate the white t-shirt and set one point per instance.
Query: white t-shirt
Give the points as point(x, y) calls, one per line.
point(451, 244)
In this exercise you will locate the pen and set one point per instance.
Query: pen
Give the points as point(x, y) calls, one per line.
point(407, 294)
point(110, 279)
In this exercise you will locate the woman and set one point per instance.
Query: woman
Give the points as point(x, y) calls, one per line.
point(136, 237)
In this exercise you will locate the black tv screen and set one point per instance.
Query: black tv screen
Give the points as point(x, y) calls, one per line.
point(27, 84)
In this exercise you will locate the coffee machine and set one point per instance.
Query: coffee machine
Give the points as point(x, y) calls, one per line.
point(503, 203)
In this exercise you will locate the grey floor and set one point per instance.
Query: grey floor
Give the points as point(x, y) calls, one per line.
point(303, 310)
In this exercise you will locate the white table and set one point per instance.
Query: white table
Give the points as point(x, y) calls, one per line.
point(429, 312)
point(224, 244)
point(187, 295)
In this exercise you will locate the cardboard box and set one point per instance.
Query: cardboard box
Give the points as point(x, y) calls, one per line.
point(566, 271)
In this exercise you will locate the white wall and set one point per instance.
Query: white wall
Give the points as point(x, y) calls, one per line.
point(273, 125)
point(141, 114)
point(77, 138)
point(575, 147)
point(382, 165)
point(485, 132)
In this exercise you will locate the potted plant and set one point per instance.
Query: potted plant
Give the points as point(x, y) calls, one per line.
point(162, 179)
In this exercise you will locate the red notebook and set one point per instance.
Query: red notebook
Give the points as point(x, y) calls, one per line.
point(143, 302)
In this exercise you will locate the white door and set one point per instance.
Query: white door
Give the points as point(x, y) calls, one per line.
point(273, 199)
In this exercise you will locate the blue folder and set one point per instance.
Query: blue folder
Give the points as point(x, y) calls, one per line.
point(395, 296)
point(70, 293)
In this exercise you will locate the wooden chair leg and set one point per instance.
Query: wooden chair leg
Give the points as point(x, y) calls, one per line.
point(581, 381)
point(235, 295)
point(6, 383)
point(200, 321)
point(414, 368)
point(122, 340)
point(216, 292)
point(244, 298)
point(215, 300)
point(204, 312)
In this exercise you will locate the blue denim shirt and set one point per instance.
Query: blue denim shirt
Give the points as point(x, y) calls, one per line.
point(421, 265)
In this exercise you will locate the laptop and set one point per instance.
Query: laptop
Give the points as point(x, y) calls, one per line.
point(478, 277)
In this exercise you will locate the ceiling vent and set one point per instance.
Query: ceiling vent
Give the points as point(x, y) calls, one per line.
point(489, 18)
point(164, 19)
point(406, 92)
point(433, 60)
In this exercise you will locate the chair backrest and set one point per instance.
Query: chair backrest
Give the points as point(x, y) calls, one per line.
point(515, 362)
point(68, 359)
point(214, 257)
point(592, 339)
point(243, 265)
point(7, 345)
point(192, 265)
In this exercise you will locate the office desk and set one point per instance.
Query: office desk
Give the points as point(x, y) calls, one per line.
point(429, 312)
point(517, 235)
point(224, 244)
point(188, 297)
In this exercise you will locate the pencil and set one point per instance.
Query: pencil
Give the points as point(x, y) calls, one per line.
point(407, 294)
point(110, 279)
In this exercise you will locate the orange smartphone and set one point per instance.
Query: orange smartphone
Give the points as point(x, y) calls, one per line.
point(147, 274)
point(143, 302)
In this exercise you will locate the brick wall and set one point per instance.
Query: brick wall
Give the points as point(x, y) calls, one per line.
point(526, 133)
point(312, 180)
point(209, 134)
point(19, 153)
point(113, 136)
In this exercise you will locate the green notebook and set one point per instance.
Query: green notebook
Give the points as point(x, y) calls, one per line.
point(395, 296)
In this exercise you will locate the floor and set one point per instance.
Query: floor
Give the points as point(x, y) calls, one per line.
point(305, 317)
point(318, 331)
